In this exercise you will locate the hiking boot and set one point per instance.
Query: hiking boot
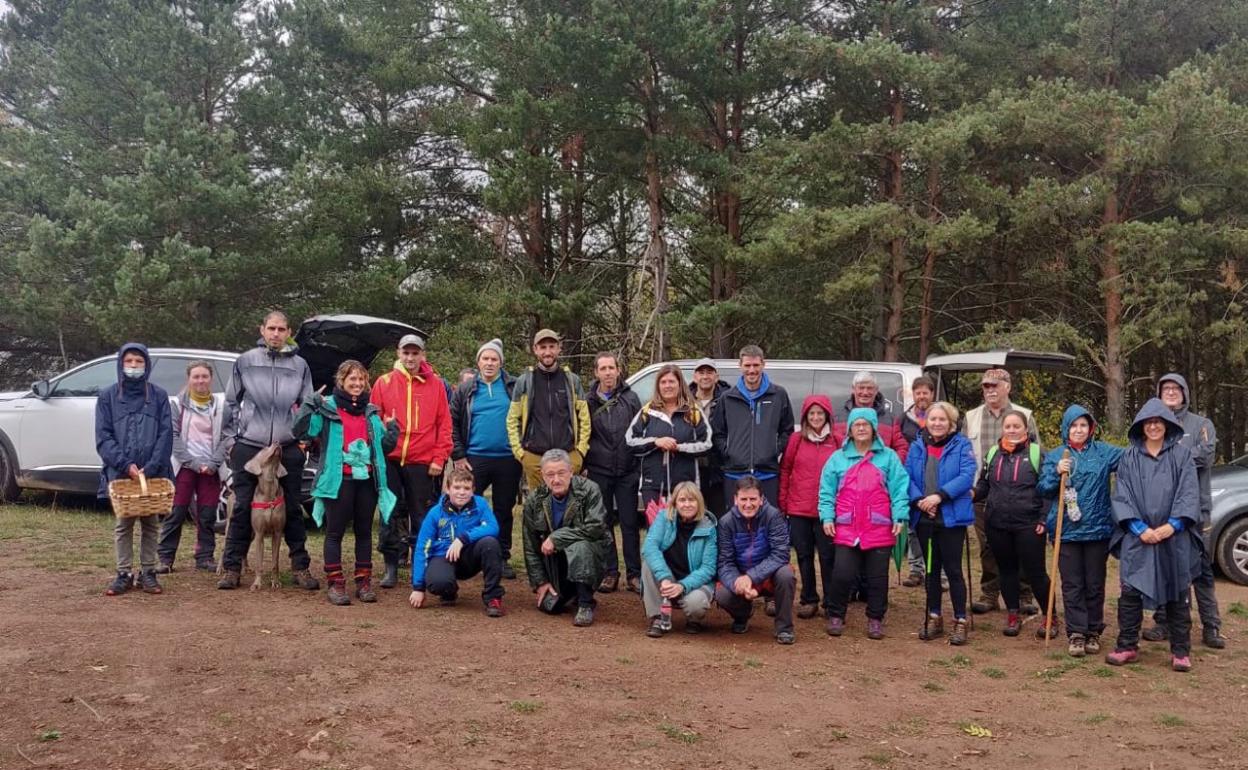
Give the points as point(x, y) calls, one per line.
point(656, 629)
point(1076, 646)
point(449, 600)
point(584, 616)
point(913, 580)
point(122, 583)
point(693, 627)
point(1029, 607)
point(807, 611)
point(1092, 644)
point(1212, 638)
point(1155, 634)
point(164, 568)
point(740, 626)
point(206, 566)
point(508, 572)
point(835, 626)
point(494, 609)
point(1051, 630)
point(1183, 664)
point(984, 604)
point(147, 579)
point(229, 580)
point(338, 594)
point(303, 579)
point(364, 588)
point(769, 607)
point(875, 628)
point(390, 578)
point(959, 636)
point(633, 584)
point(786, 637)
point(934, 627)
point(609, 585)
point(1121, 657)
point(1013, 624)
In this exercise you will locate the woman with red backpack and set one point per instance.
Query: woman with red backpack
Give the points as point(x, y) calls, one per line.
point(801, 467)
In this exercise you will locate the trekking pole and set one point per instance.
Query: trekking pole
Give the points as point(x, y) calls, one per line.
point(1057, 547)
point(970, 616)
point(927, 612)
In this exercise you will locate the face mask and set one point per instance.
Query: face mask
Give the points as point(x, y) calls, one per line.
point(134, 373)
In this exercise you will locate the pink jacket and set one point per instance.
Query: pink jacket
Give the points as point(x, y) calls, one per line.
point(864, 508)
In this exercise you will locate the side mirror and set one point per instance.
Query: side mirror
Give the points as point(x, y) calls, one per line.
point(42, 388)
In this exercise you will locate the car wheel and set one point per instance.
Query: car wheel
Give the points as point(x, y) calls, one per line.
point(8, 478)
point(1233, 551)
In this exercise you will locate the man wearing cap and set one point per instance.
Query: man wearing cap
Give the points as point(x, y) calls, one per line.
point(751, 425)
point(706, 387)
point(983, 428)
point(413, 395)
point(548, 411)
point(1200, 437)
point(480, 444)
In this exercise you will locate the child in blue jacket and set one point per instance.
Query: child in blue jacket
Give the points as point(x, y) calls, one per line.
point(458, 539)
point(1087, 525)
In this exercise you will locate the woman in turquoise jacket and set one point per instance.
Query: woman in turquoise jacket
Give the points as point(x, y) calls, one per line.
point(678, 562)
point(1087, 525)
point(351, 484)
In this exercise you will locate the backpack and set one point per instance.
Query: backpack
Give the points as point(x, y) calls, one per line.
point(1033, 452)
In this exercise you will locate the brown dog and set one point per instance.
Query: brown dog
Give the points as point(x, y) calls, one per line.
point(268, 509)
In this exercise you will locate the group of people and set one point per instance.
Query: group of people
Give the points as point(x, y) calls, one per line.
point(726, 483)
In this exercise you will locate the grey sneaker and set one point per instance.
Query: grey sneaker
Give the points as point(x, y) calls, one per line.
point(584, 617)
point(229, 580)
point(303, 579)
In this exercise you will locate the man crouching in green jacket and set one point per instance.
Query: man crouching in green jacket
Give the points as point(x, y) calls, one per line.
point(565, 540)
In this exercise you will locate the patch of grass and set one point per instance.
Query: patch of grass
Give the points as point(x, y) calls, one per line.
point(49, 735)
point(525, 706)
point(938, 662)
point(225, 718)
point(1104, 672)
point(879, 758)
point(1171, 720)
point(366, 625)
point(1053, 673)
point(961, 661)
point(907, 727)
point(625, 661)
point(1079, 695)
point(320, 621)
point(1238, 609)
point(993, 673)
point(754, 663)
point(680, 734)
point(837, 734)
point(933, 687)
point(1095, 719)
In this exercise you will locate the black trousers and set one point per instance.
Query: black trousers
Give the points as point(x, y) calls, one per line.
point(503, 475)
point(712, 485)
point(872, 564)
point(619, 497)
point(1082, 567)
point(416, 492)
point(484, 557)
point(355, 505)
point(1131, 616)
point(770, 487)
point(568, 590)
point(806, 535)
point(238, 538)
point(1019, 552)
point(1206, 599)
point(946, 545)
point(989, 574)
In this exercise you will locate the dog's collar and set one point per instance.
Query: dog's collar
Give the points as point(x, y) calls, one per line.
point(281, 500)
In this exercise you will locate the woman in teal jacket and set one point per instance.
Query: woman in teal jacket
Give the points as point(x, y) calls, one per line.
point(1087, 525)
point(678, 562)
point(351, 484)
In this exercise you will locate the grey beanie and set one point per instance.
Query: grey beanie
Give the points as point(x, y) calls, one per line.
point(496, 345)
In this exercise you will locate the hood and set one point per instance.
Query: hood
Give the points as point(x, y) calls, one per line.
point(139, 348)
point(862, 413)
point(1072, 413)
point(9, 395)
point(821, 401)
point(425, 372)
point(1179, 380)
point(325, 341)
point(1155, 408)
point(621, 387)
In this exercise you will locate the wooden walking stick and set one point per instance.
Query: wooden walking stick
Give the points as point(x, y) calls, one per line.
point(1057, 547)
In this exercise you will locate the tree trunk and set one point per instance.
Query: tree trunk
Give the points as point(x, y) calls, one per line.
point(656, 245)
point(929, 266)
point(1111, 287)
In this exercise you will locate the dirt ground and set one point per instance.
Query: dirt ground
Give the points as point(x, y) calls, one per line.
point(200, 678)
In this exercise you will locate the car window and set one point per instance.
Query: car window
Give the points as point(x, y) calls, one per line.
point(170, 374)
point(87, 381)
point(838, 385)
point(221, 371)
point(798, 382)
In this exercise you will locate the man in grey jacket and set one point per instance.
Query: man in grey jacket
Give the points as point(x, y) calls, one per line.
point(1201, 439)
point(267, 386)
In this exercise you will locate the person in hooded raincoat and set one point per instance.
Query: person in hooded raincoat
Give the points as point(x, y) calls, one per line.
point(1088, 523)
point(1157, 537)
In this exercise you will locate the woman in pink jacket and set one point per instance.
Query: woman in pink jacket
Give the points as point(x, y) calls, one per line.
point(800, 471)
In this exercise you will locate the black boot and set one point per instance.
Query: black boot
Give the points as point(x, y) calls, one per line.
point(391, 577)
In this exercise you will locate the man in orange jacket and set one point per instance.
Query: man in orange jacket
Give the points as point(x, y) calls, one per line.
point(413, 395)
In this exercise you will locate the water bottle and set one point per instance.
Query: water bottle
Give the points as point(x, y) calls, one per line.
point(665, 614)
point(1073, 512)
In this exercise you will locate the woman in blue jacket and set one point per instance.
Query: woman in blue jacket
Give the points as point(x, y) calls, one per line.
point(678, 561)
point(1087, 525)
point(941, 466)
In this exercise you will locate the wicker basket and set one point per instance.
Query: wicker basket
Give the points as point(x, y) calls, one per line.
point(133, 499)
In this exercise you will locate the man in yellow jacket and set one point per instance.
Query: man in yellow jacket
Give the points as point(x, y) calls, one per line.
point(548, 411)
